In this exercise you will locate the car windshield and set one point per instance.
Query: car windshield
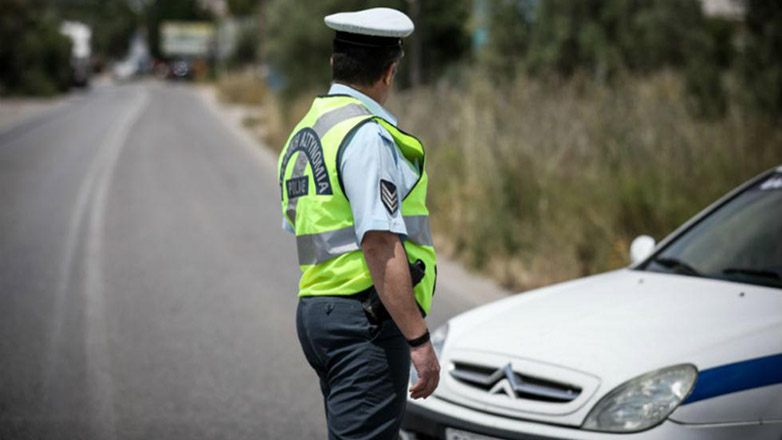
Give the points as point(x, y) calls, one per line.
point(741, 241)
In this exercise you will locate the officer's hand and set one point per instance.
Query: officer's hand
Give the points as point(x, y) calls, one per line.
point(428, 369)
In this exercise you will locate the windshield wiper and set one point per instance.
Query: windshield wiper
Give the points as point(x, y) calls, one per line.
point(677, 266)
point(752, 272)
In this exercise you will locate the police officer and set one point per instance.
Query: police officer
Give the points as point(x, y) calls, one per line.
point(353, 189)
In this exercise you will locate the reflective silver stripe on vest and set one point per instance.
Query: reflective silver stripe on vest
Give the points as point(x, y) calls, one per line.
point(317, 248)
point(418, 230)
point(328, 120)
point(325, 122)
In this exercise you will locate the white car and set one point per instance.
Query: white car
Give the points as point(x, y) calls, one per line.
point(684, 344)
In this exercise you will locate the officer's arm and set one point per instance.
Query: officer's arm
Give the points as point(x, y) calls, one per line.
point(379, 223)
point(387, 262)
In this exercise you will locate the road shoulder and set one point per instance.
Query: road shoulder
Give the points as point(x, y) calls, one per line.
point(17, 111)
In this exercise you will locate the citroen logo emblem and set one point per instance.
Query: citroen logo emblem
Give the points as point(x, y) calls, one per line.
point(506, 382)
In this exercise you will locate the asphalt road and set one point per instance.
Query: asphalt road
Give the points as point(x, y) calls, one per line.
point(146, 289)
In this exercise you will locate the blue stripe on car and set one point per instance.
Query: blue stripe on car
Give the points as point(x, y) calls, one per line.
point(740, 376)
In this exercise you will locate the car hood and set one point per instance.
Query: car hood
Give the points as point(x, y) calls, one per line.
point(624, 322)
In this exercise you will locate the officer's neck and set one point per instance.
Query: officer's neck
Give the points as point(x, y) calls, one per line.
point(378, 92)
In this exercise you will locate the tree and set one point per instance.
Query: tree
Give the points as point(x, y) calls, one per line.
point(442, 30)
point(36, 58)
point(509, 27)
point(113, 23)
point(603, 37)
point(246, 44)
point(298, 43)
point(760, 64)
point(242, 8)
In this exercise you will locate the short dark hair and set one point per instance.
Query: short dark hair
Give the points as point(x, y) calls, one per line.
point(362, 65)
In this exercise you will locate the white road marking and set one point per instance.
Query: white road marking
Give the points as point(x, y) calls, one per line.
point(98, 360)
point(52, 363)
point(91, 200)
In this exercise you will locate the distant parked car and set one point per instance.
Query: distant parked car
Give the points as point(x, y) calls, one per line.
point(684, 344)
point(180, 69)
point(81, 72)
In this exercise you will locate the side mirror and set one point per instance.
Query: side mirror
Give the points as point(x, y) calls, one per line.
point(641, 247)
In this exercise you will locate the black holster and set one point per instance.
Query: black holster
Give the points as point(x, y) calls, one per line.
point(370, 300)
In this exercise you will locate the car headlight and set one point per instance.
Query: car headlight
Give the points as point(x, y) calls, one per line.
point(437, 338)
point(642, 402)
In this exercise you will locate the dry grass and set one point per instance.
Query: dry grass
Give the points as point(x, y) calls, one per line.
point(284, 115)
point(277, 118)
point(243, 88)
point(538, 183)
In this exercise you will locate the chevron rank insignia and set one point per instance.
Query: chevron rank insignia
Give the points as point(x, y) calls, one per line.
point(389, 196)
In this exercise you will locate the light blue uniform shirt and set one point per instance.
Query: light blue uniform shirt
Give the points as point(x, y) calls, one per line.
point(371, 155)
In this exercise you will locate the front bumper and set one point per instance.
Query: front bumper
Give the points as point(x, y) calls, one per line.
point(429, 419)
point(430, 424)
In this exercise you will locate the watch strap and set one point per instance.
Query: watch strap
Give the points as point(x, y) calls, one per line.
point(421, 340)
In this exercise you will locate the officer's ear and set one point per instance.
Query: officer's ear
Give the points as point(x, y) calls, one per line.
point(389, 74)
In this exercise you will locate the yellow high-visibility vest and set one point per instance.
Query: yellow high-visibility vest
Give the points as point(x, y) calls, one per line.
point(314, 202)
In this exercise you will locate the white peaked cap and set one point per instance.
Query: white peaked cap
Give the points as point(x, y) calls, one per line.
point(376, 22)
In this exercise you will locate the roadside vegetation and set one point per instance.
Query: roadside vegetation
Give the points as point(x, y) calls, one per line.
point(573, 128)
point(242, 87)
point(535, 183)
point(34, 56)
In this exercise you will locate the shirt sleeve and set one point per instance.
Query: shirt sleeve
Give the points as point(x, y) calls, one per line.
point(372, 181)
point(286, 225)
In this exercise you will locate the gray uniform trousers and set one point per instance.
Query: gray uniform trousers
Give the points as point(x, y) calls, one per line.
point(363, 368)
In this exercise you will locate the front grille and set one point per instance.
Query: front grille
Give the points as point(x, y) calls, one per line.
point(505, 381)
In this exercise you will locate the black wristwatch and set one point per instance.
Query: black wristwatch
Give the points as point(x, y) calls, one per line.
point(421, 340)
